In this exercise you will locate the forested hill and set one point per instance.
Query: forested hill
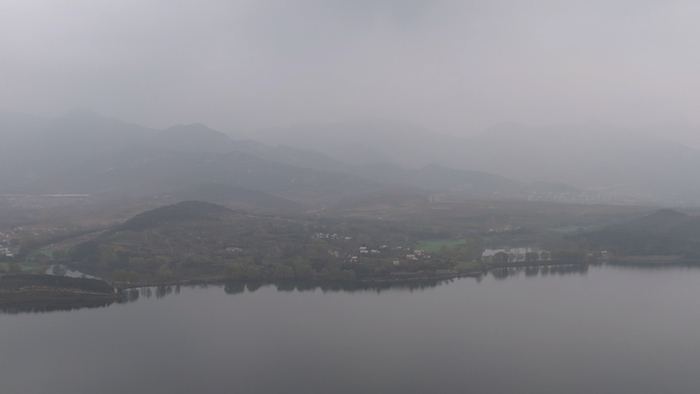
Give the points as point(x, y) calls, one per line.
point(665, 232)
point(186, 210)
point(658, 222)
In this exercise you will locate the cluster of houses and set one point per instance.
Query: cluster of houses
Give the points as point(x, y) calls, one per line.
point(329, 236)
point(10, 248)
point(6, 247)
point(435, 198)
point(415, 255)
point(364, 250)
point(5, 251)
point(517, 254)
point(503, 229)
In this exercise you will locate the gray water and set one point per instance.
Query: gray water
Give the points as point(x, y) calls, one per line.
point(607, 330)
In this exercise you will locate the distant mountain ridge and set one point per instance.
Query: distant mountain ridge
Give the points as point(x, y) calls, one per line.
point(142, 171)
point(237, 197)
point(623, 163)
point(364, 141)
point(87, 153)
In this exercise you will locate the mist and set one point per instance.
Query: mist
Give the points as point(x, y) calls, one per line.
point(359, 196)
point(455, 67)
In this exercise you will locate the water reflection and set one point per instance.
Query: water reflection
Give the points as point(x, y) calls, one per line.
point(504, 273)
point(654, 266)
point(146, 292)
point(348, 287)
point(532, 271)
point(236, 288)
point(253, 286)
point(63, 270)
point(619, 330)
point(132, 295)
point(14, 310)
point(162, 291)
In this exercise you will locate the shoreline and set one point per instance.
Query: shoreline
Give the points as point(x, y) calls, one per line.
point(37, 297)
point(364, 281)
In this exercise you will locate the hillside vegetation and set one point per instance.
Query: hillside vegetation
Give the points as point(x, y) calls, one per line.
point(665, 232)
point(184, 211)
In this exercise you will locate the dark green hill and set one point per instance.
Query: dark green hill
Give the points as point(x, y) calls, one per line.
point(658, 222)
point(665, 232)
point(186, 210)
point(689, 229)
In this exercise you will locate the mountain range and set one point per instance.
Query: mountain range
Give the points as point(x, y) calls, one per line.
point(83, 152)
point(621, 164)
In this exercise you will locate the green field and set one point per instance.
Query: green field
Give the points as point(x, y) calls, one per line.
point(434, 245)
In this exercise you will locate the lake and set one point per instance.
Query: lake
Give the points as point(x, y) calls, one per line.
point(602, 330)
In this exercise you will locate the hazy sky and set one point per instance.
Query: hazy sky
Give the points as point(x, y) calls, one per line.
point(454, 66)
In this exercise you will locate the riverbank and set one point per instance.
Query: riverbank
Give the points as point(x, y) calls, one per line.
point(363, 281)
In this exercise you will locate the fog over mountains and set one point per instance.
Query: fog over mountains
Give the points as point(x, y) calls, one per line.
point(621, 163)
point(82, 152)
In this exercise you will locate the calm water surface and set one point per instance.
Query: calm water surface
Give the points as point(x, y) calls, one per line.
point(607, 330)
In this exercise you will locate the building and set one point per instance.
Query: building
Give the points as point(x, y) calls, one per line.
point(434, 198)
